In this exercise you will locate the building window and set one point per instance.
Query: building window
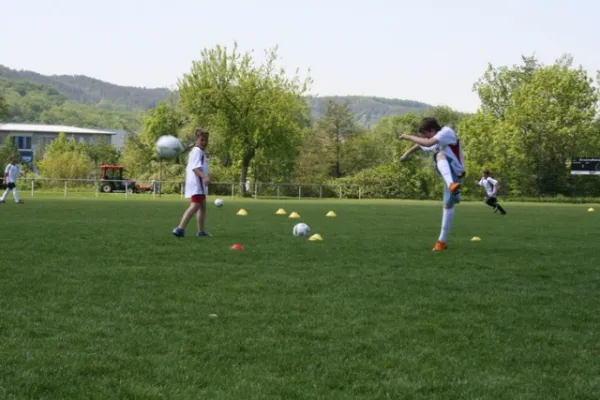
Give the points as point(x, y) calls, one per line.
point(22, 142)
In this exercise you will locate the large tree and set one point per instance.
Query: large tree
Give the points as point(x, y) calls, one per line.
point(257, 109)
point(4, 111)
point(533, 119)
point(338, 125)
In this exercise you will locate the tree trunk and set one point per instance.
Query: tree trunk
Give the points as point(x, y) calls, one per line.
point(244, 175)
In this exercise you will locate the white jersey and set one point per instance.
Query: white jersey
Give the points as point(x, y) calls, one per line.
point(489, 184)
point(11, 171)
point(193, 183)
point(449, 144)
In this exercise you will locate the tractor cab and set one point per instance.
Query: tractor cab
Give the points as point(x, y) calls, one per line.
point(112, 180)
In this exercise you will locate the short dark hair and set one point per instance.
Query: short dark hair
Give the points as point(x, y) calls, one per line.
point(428, 124)
point(486, 171)
point(201, 133)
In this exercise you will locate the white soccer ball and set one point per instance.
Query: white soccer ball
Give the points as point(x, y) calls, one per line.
point(219, 202)
point(168, 146)
point(301, 229)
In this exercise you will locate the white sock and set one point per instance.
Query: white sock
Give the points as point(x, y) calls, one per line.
point(444, 168)
point(447, 216)
point(4, 195)
point(16, 195)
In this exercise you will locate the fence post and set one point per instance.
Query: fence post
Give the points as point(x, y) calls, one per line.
point(360, 192)
point(340, 192)
point(299, 191)
point(232, 190)
point(255, 190)
point(320, 191)
point(96, 189)
point(278, 185)
point(65, 188)
point(32, 186)
point(181, 185)
point(126, 188)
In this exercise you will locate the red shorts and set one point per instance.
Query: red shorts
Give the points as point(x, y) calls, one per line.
point(198, 198)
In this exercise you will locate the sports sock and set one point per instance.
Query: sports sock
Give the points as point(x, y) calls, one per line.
point(447, 216)
point(444, 168)
point(4, 195)
point(16, 195)
point(502, 210)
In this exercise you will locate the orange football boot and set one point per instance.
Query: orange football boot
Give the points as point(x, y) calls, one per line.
point(439, 246)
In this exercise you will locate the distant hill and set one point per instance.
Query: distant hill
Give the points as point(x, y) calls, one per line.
point(94, 92)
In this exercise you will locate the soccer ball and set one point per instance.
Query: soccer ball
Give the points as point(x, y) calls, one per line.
point(168, 146)
point(219, 202)
point(301, 229)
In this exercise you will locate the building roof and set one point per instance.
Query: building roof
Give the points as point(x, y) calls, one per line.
point(39, 128)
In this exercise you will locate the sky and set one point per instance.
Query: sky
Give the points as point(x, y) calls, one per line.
point(426, 50)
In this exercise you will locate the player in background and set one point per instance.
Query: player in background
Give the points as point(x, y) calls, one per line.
point(196, 186)
point(10, 180)
point(448, 159)
point(491, 188)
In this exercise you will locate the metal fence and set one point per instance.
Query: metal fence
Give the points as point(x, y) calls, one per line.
point(100, 188)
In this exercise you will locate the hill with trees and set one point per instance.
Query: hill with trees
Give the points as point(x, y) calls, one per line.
point(100, 94)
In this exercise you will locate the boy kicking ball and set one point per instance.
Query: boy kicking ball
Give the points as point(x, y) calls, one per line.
point(196, 186)
point(449, 164)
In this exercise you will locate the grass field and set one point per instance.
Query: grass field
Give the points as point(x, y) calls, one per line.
point(99, 301)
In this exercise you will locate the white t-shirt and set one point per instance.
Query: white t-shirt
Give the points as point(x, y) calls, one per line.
point(193, 183)
point(449, 144)
point(12, 171)
point(489, 184)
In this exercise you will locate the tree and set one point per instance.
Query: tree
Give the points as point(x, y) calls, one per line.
point(64, 159)
point(256, 109)
point(541, 116)
point(7, 150)
point(4, 110)
point(139, 151)
point(338, 125)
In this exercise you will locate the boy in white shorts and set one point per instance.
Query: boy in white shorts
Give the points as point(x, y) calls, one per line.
point(196, 186)
point(10, 180)
point(449, 163)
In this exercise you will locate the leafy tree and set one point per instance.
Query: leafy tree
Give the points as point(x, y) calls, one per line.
point(339, 126)
point(64, 159)
point(258, 110)
point(7, 150)
point(4, 109)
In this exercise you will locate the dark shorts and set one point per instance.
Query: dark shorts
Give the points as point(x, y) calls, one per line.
point(491, 201)
point(198, 198)
point(11, 186)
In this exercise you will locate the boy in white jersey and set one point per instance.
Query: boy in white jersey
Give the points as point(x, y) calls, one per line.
point(449, 163)
point(196, 186)
point(491, 188)
point(10, 180)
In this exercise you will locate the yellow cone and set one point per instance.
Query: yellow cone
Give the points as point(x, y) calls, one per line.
point(294, 215)
point(331, 214)
point(281, 211)
point(242, 212)
point(476, 239)
point(590, 210)
point(315, 237)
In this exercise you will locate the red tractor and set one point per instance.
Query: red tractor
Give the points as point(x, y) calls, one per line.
point(112, 180)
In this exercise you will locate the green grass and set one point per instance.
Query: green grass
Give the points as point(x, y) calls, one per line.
point(99, 301)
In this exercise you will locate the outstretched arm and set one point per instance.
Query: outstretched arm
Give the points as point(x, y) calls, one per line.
point(419, 140)
point(409, 152)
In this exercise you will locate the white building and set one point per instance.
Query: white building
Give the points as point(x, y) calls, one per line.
point(30, 138)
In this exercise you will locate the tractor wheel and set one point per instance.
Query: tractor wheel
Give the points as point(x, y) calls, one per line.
point(106, 188)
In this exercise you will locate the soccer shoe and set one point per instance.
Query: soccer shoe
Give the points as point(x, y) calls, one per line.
point(202, 234)
point(454, 187)
point(439, 246)
point(178, 232)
